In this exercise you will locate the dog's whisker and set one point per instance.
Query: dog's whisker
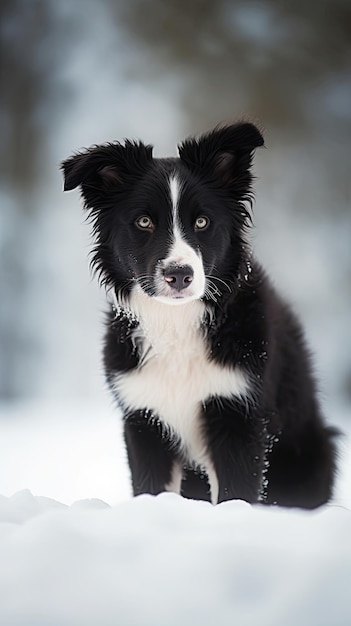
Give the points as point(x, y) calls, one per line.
point(210, 294)
point(212, 278)
point(213, 288)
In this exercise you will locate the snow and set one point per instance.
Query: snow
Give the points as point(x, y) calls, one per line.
point(113, 560)
point(166, 561)
point(67, 451)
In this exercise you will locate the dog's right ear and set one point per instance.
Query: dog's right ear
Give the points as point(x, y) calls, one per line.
point(105, 167)
point(224, 154)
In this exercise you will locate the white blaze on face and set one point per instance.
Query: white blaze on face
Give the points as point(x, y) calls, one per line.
point(175, 188)
point(180, 254)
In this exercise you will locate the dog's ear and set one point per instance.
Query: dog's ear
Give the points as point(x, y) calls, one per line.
point(105, 167)
point(225, 153)
point(83, 166)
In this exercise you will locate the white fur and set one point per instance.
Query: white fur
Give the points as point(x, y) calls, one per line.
point(213, 480)
point(176, 478)
point(177, 377)
point(175, 189)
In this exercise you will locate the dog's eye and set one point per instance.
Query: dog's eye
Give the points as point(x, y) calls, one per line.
point(145, 223)
point(202, 223)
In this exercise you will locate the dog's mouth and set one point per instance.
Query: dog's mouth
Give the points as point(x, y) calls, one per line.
point(176, 299)
point(166, 295)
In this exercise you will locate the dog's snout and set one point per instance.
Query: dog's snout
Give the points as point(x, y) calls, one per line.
point(179, 276)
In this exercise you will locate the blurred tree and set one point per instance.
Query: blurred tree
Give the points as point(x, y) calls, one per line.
point(24, 76)
point(261, 58)
point(24, 70)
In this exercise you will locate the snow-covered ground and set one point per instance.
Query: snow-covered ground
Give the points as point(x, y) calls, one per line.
point(113, 560)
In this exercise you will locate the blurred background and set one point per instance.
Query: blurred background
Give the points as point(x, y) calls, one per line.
point(84, 72)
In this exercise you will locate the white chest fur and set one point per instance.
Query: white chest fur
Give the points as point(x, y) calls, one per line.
point(176, 377)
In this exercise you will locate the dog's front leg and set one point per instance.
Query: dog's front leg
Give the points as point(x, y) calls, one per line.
point(151, 455)
point(235, 439)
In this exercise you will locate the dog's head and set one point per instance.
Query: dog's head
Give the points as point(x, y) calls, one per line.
point(172, 228)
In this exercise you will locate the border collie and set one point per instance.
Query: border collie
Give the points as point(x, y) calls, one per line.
point(207, 363)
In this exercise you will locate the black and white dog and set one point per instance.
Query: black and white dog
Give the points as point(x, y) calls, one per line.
point(206, 361)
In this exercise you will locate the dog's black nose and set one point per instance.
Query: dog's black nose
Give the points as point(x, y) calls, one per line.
point(178, 276)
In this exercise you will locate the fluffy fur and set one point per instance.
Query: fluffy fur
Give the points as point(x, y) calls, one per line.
point(207, 363)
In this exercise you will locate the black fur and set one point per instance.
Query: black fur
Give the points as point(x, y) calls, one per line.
point(273, 447)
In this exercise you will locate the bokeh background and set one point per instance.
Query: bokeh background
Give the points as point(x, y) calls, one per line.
point(84, 72)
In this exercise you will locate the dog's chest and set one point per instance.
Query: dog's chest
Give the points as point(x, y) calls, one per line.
point(177, 375)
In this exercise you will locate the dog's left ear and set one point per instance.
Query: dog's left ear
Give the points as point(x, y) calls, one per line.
point(81, 167)
point(105, 166)
point(225, 153)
